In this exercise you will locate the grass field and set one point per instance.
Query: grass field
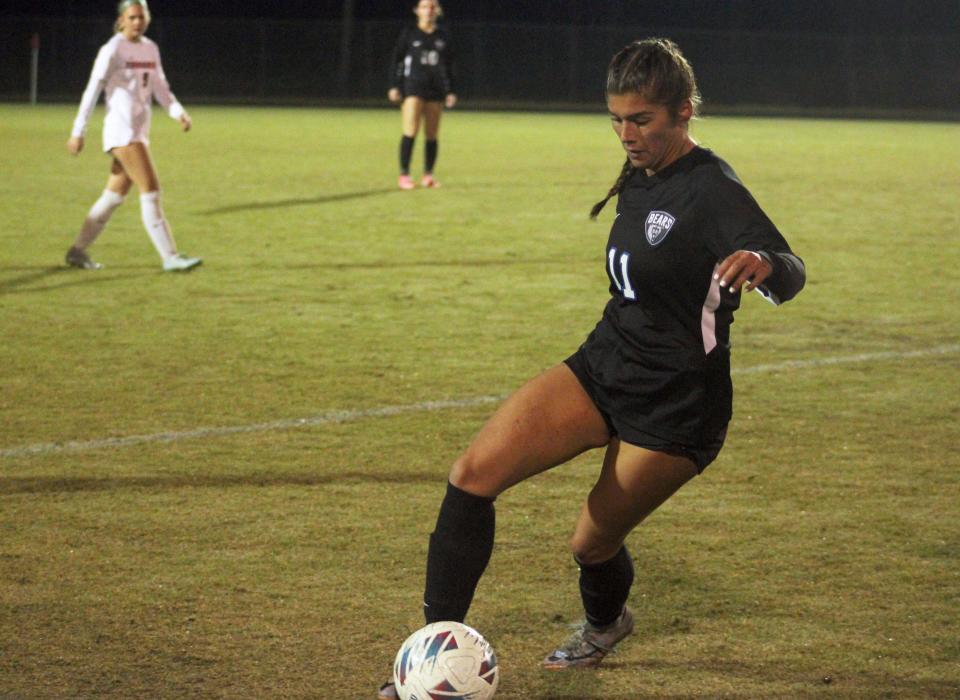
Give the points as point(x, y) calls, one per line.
point(220, 484)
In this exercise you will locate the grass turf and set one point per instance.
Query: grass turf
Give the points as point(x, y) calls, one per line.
point(818, 557)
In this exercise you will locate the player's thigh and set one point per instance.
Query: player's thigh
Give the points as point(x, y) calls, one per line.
point(546, 422)
point(138, 164)
point(410, 113)
point(118, 181)
point(633, 483)
point(431, 119)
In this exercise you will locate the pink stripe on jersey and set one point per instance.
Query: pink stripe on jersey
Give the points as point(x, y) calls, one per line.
point(708, 318)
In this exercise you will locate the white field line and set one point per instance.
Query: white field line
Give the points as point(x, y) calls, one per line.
point(422, 407)
point(847, 359)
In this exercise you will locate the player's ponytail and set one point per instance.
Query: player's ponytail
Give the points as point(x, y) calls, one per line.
point(625, 174)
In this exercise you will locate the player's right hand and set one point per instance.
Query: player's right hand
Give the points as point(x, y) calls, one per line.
point(394, 95)
point(75, 144)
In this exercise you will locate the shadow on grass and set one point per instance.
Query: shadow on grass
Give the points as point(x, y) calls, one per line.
point(41, 485)
point(65, 277)
point(297, 201)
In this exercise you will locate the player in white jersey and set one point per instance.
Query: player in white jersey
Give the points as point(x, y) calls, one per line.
point(128, 69)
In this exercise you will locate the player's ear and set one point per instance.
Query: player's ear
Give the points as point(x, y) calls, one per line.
point(685, 111)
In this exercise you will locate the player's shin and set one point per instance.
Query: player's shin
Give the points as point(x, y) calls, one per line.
point(460, 548)
point(406, 153)
point(156, 224)
point(604, 588)
point(430, 150)
point(97, 218)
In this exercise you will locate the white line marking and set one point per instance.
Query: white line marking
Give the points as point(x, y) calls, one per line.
point(320, 419)
point(848, 359)
point(425, 406)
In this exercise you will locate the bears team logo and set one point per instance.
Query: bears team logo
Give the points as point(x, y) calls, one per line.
point(658, 226)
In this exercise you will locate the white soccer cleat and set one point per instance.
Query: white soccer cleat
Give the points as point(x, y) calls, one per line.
point(180, 263)
point(79, 259)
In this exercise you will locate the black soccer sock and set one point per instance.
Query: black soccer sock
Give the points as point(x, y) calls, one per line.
point(604, 588)
point(406, 152)
point(460, 548)
point(431, 148)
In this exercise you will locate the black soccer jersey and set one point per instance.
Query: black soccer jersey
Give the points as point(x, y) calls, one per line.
point(659, 357)
point(422, 64)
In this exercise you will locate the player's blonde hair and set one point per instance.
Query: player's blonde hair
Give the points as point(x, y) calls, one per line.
point(122, 7)
point(656, 69)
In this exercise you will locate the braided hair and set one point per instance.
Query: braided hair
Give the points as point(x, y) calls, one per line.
point(625, 174)
point(656, 69)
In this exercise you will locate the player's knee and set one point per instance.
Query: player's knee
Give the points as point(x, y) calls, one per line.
point(592, 550)
point(468, 474)
point(150, 198)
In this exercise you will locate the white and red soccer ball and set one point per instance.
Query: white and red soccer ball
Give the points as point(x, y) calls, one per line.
point(446, 660)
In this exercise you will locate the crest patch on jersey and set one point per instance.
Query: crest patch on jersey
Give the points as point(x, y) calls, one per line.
point(440, 43)
point(657, 227)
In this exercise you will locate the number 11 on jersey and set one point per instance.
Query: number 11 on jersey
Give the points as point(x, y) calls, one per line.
point(625, 287)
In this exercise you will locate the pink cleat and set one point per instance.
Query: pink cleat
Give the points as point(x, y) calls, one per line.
point(405, 182)
point(428, 181)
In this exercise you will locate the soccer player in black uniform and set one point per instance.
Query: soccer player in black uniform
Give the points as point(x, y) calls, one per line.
point(421, 79)
point(651, 383)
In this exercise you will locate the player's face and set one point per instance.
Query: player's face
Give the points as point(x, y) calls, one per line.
point(426, 11)
point(134, 22)
point(650, 135)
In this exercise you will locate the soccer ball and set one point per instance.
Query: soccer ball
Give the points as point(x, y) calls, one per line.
point(446, 660)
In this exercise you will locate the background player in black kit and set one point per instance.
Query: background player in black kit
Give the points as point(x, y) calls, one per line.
point(651, 382)
point(421, 80)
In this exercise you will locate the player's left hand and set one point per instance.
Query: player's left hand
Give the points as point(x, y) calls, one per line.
point(743, 267)
point(450, 101)
point(185, 121)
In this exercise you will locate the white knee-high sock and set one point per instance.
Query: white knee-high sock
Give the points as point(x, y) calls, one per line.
point(97, 218)
point(156, 224)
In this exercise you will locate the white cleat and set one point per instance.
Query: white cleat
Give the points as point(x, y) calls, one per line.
point(180, 263)
point(79, 259)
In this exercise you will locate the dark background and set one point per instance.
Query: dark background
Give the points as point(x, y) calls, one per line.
point(824, 57)
point(831, 16)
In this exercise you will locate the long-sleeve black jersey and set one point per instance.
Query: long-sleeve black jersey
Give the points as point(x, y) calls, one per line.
point(661, 350)
point(422, 61)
